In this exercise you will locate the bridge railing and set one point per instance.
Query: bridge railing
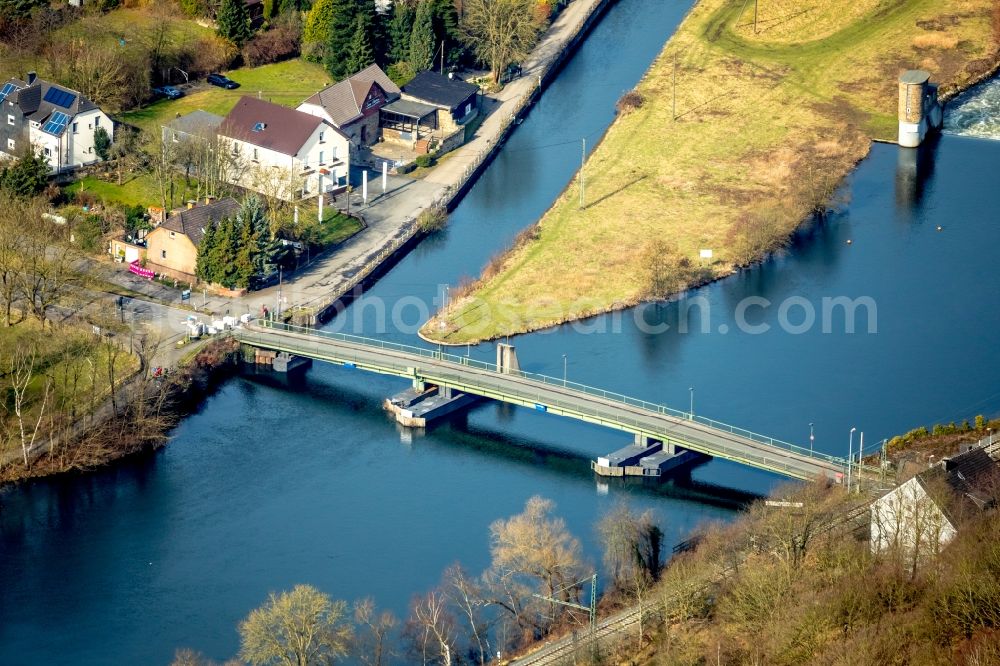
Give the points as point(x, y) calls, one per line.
point(466, 361)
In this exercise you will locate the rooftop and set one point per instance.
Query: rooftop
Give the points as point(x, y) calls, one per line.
point(410, 109)
point(270, 126)
point(44, 102)
point(192, 221)
point(344, 100)
point(196, 122)
point(439, 90)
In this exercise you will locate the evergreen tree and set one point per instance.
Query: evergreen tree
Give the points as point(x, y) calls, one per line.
point(345, 14)
point(379, 37)
point(27, 176)
point(318, 23)
point(360, 54)
point(243, 262)
point(102, 143)
point(233, 22)
point(422, 37)
point(400, 30)
point(204, 268)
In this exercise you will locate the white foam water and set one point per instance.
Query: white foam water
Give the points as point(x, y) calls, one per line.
point(975, 112)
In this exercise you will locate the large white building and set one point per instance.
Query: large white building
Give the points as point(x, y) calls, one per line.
point(57, 122)
point(285, 153)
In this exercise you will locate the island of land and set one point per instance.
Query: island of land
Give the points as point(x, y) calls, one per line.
point(743, 127)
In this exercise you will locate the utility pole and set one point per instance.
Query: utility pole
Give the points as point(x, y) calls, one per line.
point(591, 609)
point(442, 57)
point(583, 182)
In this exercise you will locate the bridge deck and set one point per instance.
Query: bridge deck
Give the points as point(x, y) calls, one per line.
point(548, 394)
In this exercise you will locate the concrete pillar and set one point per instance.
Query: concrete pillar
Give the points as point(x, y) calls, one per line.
point(912, 123)
point(295, 216)
point(320, 213)
point(364, 186)
point(507, 359)
point(385, 176)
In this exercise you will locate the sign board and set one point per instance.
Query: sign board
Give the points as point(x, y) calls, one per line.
point(134, 267)
point(186, 295)
point(705, 254)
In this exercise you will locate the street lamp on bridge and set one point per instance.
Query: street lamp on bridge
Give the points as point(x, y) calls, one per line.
point(850, 459)
point(691, 410)
point(812, 438)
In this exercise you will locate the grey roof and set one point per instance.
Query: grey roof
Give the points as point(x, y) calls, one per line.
point(914, 76)
point(439, 90)
point(282, 130)
point(192, 221)
point(33, 103)
point(196, 122)
point(972, 478)
point(344, 99)
point(410, 109)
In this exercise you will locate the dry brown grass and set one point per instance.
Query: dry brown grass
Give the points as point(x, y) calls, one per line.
point(758, 122)
point(935, 40)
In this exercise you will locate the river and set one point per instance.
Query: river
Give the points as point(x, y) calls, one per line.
point(269, 486)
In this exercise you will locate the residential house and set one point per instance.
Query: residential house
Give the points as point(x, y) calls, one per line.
point(353, 105)
point(200, 125)
point(922, 515)
point(172, 247)
point(286, 154)
point(454, 99)
point(58, 122)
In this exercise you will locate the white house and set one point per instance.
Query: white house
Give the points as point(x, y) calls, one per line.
point(921, 516)
point(58, 122)
point(285, 153)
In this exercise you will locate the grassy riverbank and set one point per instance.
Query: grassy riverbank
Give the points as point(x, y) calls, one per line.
point(765, 124)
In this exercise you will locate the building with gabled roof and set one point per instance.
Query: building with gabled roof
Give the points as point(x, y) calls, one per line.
point(455, 99)
point(922, 515)
point(353, 105)
point(56, 121)
point(172, 247)
point(284, 153)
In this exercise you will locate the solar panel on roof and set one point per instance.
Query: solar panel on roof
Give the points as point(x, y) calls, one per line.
point(56, 124)
point(7, 89)
point(60, 97)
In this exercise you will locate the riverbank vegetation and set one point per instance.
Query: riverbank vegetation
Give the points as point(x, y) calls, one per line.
point(746, 127)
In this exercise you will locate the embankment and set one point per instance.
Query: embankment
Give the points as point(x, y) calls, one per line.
point(145, 411)
point(741, 129)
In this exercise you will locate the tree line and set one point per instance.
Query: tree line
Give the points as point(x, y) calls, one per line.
point(467, 619)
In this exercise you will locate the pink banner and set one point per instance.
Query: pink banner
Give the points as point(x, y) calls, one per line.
point(139, 270)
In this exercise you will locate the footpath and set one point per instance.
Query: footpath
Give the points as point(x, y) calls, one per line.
point(391, 216)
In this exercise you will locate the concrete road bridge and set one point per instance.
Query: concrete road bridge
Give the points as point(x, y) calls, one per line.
point(506, 383)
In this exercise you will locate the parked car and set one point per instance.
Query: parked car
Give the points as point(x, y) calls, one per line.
point(169, 92)
point(222, 81)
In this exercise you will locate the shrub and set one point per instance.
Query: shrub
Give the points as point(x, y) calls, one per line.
point(432, 219)
point(424, 161)
point(630, 101)
point(406, 168)
point(88, 233)
point(400, 73)
point(279, 43)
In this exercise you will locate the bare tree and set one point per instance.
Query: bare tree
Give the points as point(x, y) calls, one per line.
point(21, 371)
point(297, 628)
point(12, 249)
point(373, 647)
point(536, 546)
point(467, 596)
point(503, 31)
point(432, 629)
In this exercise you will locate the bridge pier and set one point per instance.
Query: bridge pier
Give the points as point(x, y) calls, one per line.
point(647, 457)
point(418, 407)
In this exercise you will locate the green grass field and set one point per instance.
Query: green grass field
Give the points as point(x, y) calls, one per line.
point(288, 83)
point(135, 190)
point(767, 123)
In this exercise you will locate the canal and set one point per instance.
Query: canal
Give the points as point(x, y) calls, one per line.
point(270, 486)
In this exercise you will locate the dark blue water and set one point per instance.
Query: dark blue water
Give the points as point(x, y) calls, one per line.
point(271, 486)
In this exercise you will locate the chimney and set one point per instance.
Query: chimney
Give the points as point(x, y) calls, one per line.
point(209, 199)
point(31, 77)
point(191, 204)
